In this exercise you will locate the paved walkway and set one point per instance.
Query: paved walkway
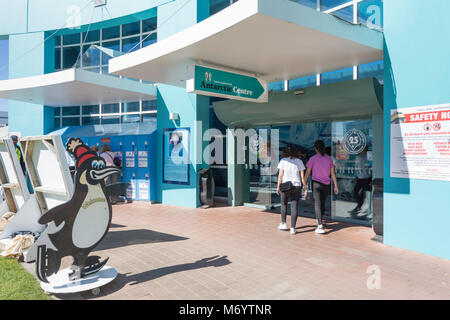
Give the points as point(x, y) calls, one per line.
point(164, 252)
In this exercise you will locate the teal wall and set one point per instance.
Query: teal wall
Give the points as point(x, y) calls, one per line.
point(172, 18)
point(30, 56)
point(417, 64)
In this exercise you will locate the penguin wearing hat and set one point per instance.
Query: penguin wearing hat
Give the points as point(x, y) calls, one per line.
point(79, 225)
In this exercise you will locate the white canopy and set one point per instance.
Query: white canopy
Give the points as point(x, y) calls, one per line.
point(75, 87)
point(275, 40)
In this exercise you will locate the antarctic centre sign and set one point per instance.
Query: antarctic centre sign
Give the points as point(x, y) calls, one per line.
point(225, 84)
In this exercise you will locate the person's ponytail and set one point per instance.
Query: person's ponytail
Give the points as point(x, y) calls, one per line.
point(320, 147)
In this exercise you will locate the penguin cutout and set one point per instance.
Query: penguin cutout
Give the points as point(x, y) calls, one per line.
point(76, 227)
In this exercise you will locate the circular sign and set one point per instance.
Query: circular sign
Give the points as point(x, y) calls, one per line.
point(355, 141)
point(437, 126)
point(427, 127)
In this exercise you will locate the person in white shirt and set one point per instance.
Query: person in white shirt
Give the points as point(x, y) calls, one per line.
point(291, 178)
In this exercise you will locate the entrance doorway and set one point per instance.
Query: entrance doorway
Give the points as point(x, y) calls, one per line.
point(350, 144)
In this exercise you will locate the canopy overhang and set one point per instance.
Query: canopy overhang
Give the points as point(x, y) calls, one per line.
point(340, 101)
point(275, 40)
point(75, 87)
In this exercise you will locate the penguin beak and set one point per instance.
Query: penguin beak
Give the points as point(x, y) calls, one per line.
point(102, 174)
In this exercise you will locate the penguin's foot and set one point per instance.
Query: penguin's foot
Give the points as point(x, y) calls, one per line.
point(47, 264)
point(93, 265)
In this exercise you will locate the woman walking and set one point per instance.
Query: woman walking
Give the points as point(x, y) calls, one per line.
point(291, 178)
point(321, 166)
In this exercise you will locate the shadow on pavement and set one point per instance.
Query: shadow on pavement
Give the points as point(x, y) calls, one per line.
point(125, 238)
point(134, 279)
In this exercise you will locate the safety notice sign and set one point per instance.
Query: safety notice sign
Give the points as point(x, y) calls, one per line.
point(420, 143)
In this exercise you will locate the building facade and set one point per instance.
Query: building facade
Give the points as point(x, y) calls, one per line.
point(334, 68)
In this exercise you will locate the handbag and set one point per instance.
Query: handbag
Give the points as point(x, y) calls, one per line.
point(286, 186)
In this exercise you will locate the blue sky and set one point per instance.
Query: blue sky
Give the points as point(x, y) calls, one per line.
point(3, 71)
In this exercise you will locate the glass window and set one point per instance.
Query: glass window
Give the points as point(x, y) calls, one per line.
point(217, 5)
point(70, 122)
point(131, 44)
point(91, 56)
point(131, 107)
point(71, 39)
point(345, 13)
point(111, 33)
point(114, 45)
point(149, 117)
point(373, 69)
point(91, 36)
point(149, 105)
point(149, 24)
point(57, 111)
point(134, 118)
point(303, 82)
point(337, 76)
point(329, 4)
point(111, 120)
point(57, 58)
point(149, 39)
point(91, 110)
point(111, 108)
point(57, 40)
point(276, 86)
point(91, 121)
point(70, 56)
point(131, 29)
point(71, 111)
point(370, 13)
point(57, 122)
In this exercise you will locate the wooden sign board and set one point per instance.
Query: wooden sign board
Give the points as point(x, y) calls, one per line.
point(49, 171)
point(12, 177)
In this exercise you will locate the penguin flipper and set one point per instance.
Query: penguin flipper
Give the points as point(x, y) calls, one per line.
point(52, 215)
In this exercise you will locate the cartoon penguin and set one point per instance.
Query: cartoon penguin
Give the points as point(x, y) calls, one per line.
point(79, 225)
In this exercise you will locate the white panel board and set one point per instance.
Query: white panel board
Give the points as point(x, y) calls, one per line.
point(47, 165)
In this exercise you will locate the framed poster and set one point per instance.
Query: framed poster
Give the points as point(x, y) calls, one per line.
point(130, 159)
point(420, 143)
point(176, 148)
point(143, 159)
point(144, 190)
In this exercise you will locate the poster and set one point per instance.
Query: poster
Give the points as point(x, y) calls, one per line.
point(142, 159)
point(420, 143)
point(131, 191)
point(130, 159)
point(176, 156)
point(144, 190)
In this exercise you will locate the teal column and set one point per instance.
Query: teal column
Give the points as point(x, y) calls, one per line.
point(193, 110)
point(238, 175)
point(30, 56)
point(416, 64)
point(378, 134)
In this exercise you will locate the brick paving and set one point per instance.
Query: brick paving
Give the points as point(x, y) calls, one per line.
point(165, 252)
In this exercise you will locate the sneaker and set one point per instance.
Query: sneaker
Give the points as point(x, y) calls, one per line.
point(282, 226)
point(320, 230)
point(293, 231)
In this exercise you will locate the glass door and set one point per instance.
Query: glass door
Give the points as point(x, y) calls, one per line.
point(259, 166)
point(352, 153)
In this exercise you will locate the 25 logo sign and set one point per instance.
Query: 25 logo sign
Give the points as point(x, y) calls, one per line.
point(355, 141)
